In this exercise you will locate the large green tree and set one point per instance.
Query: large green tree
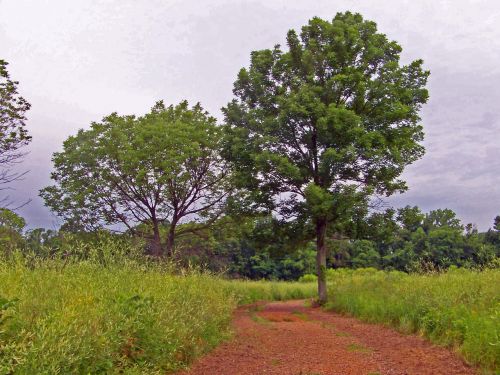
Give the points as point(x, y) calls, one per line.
point(327, 121)
point(13, 133)
point(158, 169)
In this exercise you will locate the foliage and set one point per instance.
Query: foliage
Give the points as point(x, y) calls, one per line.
point(315, 129)
point(409, 240)
point(314, 132)
point(459, 308)
point(156, 169)
point(44, 243)
point(493, 235)
point(405, 239)
point(262, 247)
point(262, 265)
point(10, 219)
point(364, 254)
point(253, 247)
point(11, 226)
point(265, 247)
point(496, 223)
point(13, 133)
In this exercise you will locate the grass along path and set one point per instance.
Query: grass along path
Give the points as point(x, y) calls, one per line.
point(459, 309)
point(289, 338)
point(128, 319)
point(132, 318)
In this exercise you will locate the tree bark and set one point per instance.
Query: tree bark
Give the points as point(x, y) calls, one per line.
point(321, 259)
point(156, 249)
point(171, 239)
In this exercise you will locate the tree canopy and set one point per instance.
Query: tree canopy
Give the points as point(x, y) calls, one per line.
point(11, 227)
point(13, 133)
point(334, 118)
point(155, 169)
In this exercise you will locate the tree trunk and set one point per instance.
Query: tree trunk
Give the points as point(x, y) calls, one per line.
point(321, 259)
point(156, 245)
point(171, 239)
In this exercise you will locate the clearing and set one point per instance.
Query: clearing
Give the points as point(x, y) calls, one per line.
point(287, 338)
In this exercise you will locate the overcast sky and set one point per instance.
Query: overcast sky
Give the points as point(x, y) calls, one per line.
point(78, 61)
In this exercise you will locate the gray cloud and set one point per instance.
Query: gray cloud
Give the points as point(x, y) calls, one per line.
point(79, 61)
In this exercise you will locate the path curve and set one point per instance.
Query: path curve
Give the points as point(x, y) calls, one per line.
point(287, 338)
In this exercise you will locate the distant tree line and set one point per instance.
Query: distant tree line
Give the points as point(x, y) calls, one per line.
point(263, 247)
point(404, 239)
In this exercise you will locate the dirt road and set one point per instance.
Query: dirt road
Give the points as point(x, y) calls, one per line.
point(288, 338)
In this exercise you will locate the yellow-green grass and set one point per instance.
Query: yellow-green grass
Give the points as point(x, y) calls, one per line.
point(459, 309)
point(247, 292)
point(89, 319)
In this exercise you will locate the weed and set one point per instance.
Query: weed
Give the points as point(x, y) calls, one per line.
point(300, 315)
point(259, 319)
point(358, 348)
point(342, 334)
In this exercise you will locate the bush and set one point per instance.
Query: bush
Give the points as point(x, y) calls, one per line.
point(308, 278)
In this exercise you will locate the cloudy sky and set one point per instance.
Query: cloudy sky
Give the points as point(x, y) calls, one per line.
point(78, 61)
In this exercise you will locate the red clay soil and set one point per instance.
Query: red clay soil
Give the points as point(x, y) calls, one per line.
point(291, 339)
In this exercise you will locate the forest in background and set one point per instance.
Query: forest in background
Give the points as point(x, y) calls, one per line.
point(263, 247)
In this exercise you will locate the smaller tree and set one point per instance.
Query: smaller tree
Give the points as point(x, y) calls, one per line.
point(492, 236)
point(11, 227)
point(496, 223)
point(43, 242)
point(13, 133)
point(156, 170)
point(411, 218)
point(442, 218)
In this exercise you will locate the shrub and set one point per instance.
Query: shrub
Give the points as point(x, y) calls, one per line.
point(308, 278)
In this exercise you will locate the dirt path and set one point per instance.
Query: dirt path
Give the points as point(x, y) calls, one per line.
point(290, 339)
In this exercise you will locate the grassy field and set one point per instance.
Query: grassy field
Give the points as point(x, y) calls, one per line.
point(459, 309)
point(124, 319)
point(131, 318)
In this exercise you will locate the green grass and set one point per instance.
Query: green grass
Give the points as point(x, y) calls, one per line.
point(251, 291)
point(259, 319)
point(130, 319)
point(459, 309)
point(358, 348)
point(300, 315)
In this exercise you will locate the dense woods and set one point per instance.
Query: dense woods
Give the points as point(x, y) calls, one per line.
point(266, 248)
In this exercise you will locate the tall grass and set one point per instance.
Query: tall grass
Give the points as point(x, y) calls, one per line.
point(247, 292)
point(458, 309)
point(84, 318)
